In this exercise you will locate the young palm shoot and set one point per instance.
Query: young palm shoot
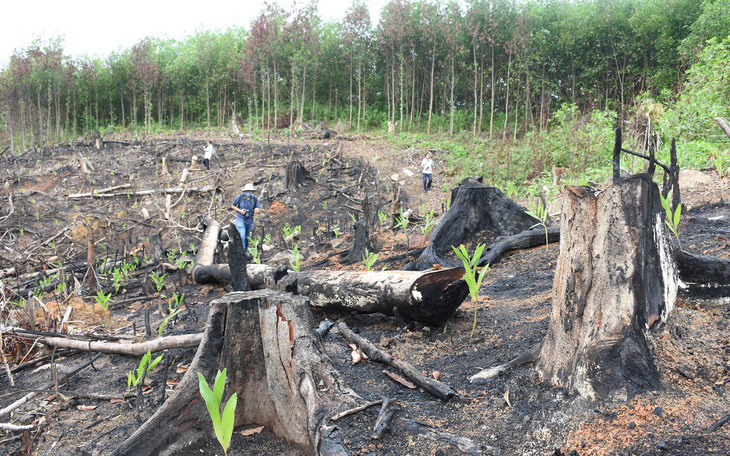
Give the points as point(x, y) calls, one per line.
point(136, 380)
point(294, 261)
point(473, 280)
point(672, 219)
point(369, 258)
point(539, 212)
point(428, 226)
point(222, 424)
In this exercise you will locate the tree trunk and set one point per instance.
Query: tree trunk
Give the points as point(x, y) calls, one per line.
point(478, 213)
point(429, 297)
point(362, 242)
point(275, 363)
point(614, 279)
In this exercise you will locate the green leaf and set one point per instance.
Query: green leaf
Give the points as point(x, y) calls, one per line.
point(229, 417)
point(210, 402)
point(677, 214)
point(220, 383)
point(154, 363)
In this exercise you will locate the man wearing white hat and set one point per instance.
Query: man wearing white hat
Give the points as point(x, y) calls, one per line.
point(246, 206)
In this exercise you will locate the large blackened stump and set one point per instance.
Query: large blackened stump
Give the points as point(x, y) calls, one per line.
point(275, 363)
point(615, 278)
point(478, 212)
point(296, 175)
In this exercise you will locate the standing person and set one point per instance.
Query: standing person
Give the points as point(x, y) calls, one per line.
point(246, 206)
point(427, 170)
point(209, 151)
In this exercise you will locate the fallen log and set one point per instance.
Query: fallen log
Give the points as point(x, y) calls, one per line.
point(131, 349)
point(433, 386)
point(275, 364)
point(258, 274)
point(430, 297)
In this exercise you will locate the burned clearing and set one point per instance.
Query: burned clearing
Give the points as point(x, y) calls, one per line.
point(56, 241)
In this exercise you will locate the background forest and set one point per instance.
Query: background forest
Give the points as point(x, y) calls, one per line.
point(508, 86)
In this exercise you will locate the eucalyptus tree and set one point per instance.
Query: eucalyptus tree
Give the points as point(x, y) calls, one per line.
point(357, 34)
point(431, 37)
point(266, 40)
point(146, 72)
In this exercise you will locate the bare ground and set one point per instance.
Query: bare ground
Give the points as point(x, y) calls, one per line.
point(515, 413)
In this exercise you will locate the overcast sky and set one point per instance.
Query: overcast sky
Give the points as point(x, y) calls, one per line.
point(100, 27)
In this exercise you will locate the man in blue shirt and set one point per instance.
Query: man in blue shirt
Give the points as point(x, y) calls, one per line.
point(246, 206)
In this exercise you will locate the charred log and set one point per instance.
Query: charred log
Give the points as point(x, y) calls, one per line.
point(276, 365)
point(614, 279)
point(476, 210)
point(430, 297)
point(259, 275)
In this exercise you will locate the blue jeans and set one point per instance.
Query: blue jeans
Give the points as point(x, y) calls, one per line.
point(244, 229)
point(426, 181)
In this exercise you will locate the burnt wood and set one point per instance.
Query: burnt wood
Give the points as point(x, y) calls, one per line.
point(478, 212)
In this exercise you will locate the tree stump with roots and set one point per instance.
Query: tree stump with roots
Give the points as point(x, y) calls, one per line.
point(296, 175)
point(275, 363)
point(476, 209)
point(615, 278)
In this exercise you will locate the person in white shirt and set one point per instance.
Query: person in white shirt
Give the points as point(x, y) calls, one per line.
point(427, 170)
point(209, 151)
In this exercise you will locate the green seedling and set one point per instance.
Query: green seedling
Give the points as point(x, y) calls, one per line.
point(336, 231)
point(369, 258)
point(288, 231)
point(428, 225)
point(136, 379)
point(473, 280)
point(222, 424)
point(159, 280)
point(402, 222)
point(383, 217)
point(118, 277)
point(672, 219)
point(539, 212)
point(294, 260)
point(174, 307)
point(103, 299)
point(253, 248)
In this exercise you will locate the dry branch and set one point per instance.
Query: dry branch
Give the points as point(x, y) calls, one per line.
point(204, 189)
point(435, 387)
point(28, 397)
point(131, 349)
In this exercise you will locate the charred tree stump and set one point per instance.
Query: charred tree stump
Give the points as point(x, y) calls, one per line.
point(615, 278)
point(276, 365)
point(296, 175)
point(362, 242)
point(237, 261)
point(476, 209)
